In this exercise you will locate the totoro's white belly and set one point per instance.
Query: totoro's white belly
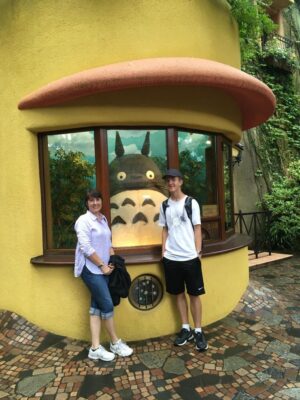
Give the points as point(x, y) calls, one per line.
point(136, 215)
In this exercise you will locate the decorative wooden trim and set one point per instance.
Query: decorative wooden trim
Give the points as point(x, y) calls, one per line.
point(142, 254)
point(220, 184)
point(41, 152)
point(149, 255)
point(102, 169)
point(172, 148)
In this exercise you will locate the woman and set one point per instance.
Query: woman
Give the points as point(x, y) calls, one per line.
point(93, 251)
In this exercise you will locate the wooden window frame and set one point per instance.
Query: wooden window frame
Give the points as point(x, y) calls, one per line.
point(137, 254)
point(226, 233)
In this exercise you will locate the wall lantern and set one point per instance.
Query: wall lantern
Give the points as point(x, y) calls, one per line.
point(237, 153)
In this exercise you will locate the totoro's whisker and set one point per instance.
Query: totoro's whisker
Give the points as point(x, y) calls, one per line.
point(128, 201)
point(139, 217)
point(149, 201)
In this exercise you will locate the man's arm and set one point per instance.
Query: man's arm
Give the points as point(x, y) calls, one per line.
point(198, 238)
point(164, 239)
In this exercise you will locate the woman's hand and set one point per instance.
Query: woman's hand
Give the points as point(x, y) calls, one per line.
point(107, 269)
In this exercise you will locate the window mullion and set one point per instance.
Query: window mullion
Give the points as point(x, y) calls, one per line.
point(102, 169)
point(172, 148)
point(220, 180)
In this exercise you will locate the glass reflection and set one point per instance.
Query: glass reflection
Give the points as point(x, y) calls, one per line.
point(197, 159)
point(71, 169)
point(227, 166)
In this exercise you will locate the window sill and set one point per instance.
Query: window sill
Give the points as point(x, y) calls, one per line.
point(148, 255)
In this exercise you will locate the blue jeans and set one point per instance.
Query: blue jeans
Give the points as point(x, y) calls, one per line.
point(101, 302)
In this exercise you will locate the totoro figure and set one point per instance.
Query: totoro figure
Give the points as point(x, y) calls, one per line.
point(137, 190)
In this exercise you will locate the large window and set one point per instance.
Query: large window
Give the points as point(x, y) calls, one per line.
point(69, 170)
point(127, 166)
point(198, 161)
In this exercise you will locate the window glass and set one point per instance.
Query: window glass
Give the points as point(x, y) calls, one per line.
point(227, 168)
point(137, 159)
point(70, 165)
point(197, 159)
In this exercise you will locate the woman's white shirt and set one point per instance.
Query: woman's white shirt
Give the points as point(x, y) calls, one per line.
point(93, 235)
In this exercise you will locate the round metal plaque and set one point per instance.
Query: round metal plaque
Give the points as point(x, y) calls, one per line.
point(146, 292)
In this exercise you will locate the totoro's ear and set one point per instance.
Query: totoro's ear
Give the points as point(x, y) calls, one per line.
point(119, 149)
point(146, 146)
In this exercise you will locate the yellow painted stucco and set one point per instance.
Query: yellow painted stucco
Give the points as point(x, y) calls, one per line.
point(42, 41)
point(59, 303)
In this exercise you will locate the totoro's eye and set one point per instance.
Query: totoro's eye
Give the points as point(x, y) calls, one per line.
point(150, 174)
point(121, 176)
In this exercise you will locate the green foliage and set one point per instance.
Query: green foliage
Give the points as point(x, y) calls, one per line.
point(193, 178)
point(254, 23)
point(70, 177)
point(282, 57)
point(284, 204)
point(277, 143)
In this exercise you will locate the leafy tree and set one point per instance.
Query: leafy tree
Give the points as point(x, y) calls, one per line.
point(194, 180)
point(254, 23)
point(284, 204)
point(70, 177)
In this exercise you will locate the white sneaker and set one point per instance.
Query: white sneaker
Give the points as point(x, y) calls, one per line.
point(101, 354)
point(121, 348)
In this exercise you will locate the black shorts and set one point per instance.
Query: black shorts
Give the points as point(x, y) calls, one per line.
point(181, 274)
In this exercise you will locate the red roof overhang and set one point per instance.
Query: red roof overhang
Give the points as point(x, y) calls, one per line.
point(255, 100)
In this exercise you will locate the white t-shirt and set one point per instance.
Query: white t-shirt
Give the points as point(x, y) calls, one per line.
point(180, 243)
point(93, 236)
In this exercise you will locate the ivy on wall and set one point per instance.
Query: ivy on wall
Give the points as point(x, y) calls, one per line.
point(276, 142)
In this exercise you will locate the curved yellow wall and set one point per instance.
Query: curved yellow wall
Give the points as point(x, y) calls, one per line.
point(45, 40)
point(59, 303)
point(186, 107)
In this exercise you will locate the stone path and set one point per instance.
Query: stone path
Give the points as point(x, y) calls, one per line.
point(254, 353)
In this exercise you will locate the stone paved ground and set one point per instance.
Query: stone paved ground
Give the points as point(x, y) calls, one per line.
point(254, 353)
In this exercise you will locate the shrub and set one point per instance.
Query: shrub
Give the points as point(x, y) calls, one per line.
point(284, 204)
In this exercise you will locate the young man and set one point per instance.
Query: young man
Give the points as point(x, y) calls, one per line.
point(181, 252)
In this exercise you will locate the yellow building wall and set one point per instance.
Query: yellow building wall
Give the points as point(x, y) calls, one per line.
point(59, 303)
point(45, 40)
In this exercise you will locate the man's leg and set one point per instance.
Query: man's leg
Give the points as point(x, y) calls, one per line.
point(185, 335)
point(195, 287)
point(196, 310)
point(182, 308)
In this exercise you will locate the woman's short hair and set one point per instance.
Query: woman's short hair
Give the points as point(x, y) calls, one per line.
point(92, 194)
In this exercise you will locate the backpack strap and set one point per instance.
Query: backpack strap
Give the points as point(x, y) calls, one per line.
point(189, 211)
point(164, 207)
point(188, 208)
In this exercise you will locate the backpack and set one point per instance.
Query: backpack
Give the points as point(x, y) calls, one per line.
point(187, 206)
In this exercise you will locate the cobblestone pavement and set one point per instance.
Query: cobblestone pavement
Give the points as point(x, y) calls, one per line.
point(254, 353)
